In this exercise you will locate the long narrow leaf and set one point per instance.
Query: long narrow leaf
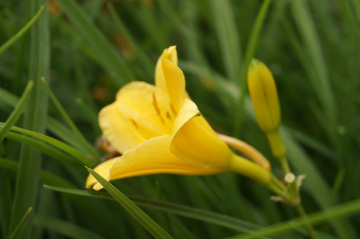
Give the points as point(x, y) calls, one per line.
point(344, 210)
point(64, 228)
point(45, 176)
point(194, 213)
point(228, 37)
point(20, 227)
point(106, 53)
point(250, 51)
point(26, 191)
point(149, 224)
point(16, 112)
point(20, 33)
point(55, 143)
point(69, 122)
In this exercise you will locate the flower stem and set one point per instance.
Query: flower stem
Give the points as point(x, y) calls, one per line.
point(302, 213)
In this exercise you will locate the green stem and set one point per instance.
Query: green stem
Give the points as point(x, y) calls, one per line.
point(284, 164)
point(302, 213)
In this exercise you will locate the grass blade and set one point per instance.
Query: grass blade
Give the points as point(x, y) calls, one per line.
point(13, 118)
point(344, 210)
point(26, 190)
point(45, 176)
point(23, 30)
point(20, 227)
point(106, 53)
point(81, 139)
point(146, 62)
point(228, 37)
point(64, 228)
point(319, 77)
point(150, 225)
point(194, 213)
point(250, 51)
point(51, 141)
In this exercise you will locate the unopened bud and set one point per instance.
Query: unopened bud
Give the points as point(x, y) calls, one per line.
point(265, 99)
point(264, 96)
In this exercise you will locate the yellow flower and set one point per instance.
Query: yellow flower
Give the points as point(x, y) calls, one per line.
point(158, 129)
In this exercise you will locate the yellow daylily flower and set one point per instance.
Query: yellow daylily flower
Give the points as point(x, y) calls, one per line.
point(158, 129)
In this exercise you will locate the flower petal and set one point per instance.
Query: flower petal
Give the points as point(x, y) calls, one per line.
point(170, 78)
point(194, 142)
point(103, 169)
point(170, 54)
point(119, 131)
point(175, 82)
point(153, 157)
point(140, 112)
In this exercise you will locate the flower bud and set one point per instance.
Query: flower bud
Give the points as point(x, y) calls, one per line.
point(265, 99)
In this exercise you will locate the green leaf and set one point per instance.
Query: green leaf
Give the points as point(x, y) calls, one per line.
point(45, 176)
point(249, 54)
point(20, 227)
point(344, 210)
point(64, 228)
point(20, 33)
point(228, 37)
point(26, 190)
point(106, 53)
point(16, 133)
point(80, 138)
point(13, 118)
point(318, 77)
point(150, 225)
point(145, 60)
point(176, 209)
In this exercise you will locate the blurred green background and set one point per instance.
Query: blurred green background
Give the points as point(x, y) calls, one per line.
point(88, 49)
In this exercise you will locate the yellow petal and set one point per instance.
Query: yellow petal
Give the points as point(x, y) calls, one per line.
point(170, 78)
point(170, 54)
point(264, 96)
point(140, 112)
point(175, 82)
point(103, 169)
point(120, 132)
point(194, 142)
point(153, 157)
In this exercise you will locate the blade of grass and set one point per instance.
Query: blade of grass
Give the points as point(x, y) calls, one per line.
point(250, 51)
point(52, 124)
point(344, 210)
point(13, 118)
point(106, 53)
point(64, 134)
point(45, 176)
point(228, 37)
point(26, 190)
point(194, 213)
point(146, 62)
point(20, 227)
point(319, 77)
point(53, 142)
point(81, 139)
point(43, 147)
point(151, 226)
point(22, 31)
point(91, 114)
point(64, 228)
point(6, 192)
point(8, 98)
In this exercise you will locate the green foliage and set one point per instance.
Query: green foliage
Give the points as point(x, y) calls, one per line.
point(86, 50)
